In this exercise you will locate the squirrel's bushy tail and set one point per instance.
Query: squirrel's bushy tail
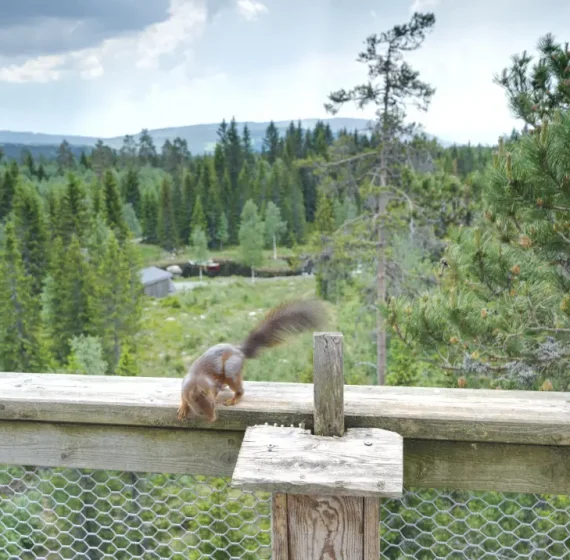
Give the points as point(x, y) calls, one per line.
point(287, 318)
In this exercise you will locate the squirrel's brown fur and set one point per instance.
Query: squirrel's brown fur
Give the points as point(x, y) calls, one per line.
point(222, 364)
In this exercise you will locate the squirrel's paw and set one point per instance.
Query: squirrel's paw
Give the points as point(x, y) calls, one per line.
point(182, 412)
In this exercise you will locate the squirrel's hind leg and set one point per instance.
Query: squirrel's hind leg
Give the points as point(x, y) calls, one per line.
point(235, 384)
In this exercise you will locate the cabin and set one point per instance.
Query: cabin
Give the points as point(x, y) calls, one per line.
point(157, 282)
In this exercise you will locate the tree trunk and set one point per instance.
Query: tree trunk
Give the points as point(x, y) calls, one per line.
point(381, 276)
point(252, 276)
point(274, 249)
point(200, 269)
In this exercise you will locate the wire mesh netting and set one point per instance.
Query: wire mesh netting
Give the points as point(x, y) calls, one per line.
point(51, 514)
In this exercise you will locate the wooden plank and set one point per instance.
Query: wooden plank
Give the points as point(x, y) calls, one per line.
point(325, 528)
point(364, 462)
point(279, 533)
point(370, 531)
point(328, 384)
point(533, 417)
point(119, 448)
point(487, 466)
point(427, 464)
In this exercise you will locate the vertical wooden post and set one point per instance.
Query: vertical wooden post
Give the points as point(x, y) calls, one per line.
point(326, 527)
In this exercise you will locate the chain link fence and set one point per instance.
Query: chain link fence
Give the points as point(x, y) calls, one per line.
point(53, 514)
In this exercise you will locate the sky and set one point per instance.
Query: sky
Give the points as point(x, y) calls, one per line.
point(112, 67)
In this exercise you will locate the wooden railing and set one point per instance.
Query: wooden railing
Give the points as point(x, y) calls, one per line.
point(454, 438)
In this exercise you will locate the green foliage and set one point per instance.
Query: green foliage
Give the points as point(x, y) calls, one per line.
point(534, 92)
point(32, 233)
point(324, 218)
point(8, 188)
point(86, 356)
point(114, 212)
point(73, 211)
point(198, 217)
point(131, 220)
point(274, 226)
point(149, 209)
point(115, 300)
point(127, 365)
point(222, 233)
point(131, 190)
point(199, 245)
point(251, 233)
point(21, 345)
point(167, 225)
point(501, 312)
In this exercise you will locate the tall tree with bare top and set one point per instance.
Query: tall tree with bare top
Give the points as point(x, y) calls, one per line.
point(393, 86)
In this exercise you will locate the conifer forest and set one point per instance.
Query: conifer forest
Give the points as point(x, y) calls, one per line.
point(442, 265)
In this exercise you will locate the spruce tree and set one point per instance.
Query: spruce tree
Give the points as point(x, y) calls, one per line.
point(271, 143)
point(324, 218)
point(131, 190)
point(167, 226)
point(73, 211)
point(114, 206)
point(198, 216)
point(9, 182)
point(146, 149)
point(149, 209)
point(21, 345)
point(222, 233)
point(115, 300)
point(65, 298)
point(32, 232)
point(127, 366)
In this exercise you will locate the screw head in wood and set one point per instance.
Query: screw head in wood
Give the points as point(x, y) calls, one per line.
point(367, 442)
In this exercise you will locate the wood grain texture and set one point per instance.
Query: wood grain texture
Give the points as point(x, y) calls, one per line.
point(119, 448)
point(371, 532)
point(533, 417)
point(487, 466)
point(328, 384)
point(325, 528)
point(364, 462)
point(427, 464)
point(279, 531)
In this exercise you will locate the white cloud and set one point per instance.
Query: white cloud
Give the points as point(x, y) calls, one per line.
point(40, 69)
point(186, 21)
point(421, 5)
point(250, 9)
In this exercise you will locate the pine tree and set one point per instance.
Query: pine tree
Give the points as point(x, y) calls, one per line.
point(86, 356)
point(535, 92)
point(147, 149)
point(21, 345)
point(501, 312)
point(188, 201)
point(251, 234)
point(65, 159)
point(393, 85)
point(131, 189)
point(115, 300)
point(114, 206)
point(28, 161)
point(32, 233)
point(167, 226)
point(274, 226)
point(248, 154)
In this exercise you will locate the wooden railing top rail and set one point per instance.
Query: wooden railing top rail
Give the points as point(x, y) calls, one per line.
point(516, 417)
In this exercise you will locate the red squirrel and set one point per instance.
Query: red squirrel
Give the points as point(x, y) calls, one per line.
point(222, 364)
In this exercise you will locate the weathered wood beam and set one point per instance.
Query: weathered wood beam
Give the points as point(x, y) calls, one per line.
point(427, 464)
point(525, 417)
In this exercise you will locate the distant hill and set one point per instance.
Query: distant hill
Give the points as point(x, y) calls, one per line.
point(200, 137)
